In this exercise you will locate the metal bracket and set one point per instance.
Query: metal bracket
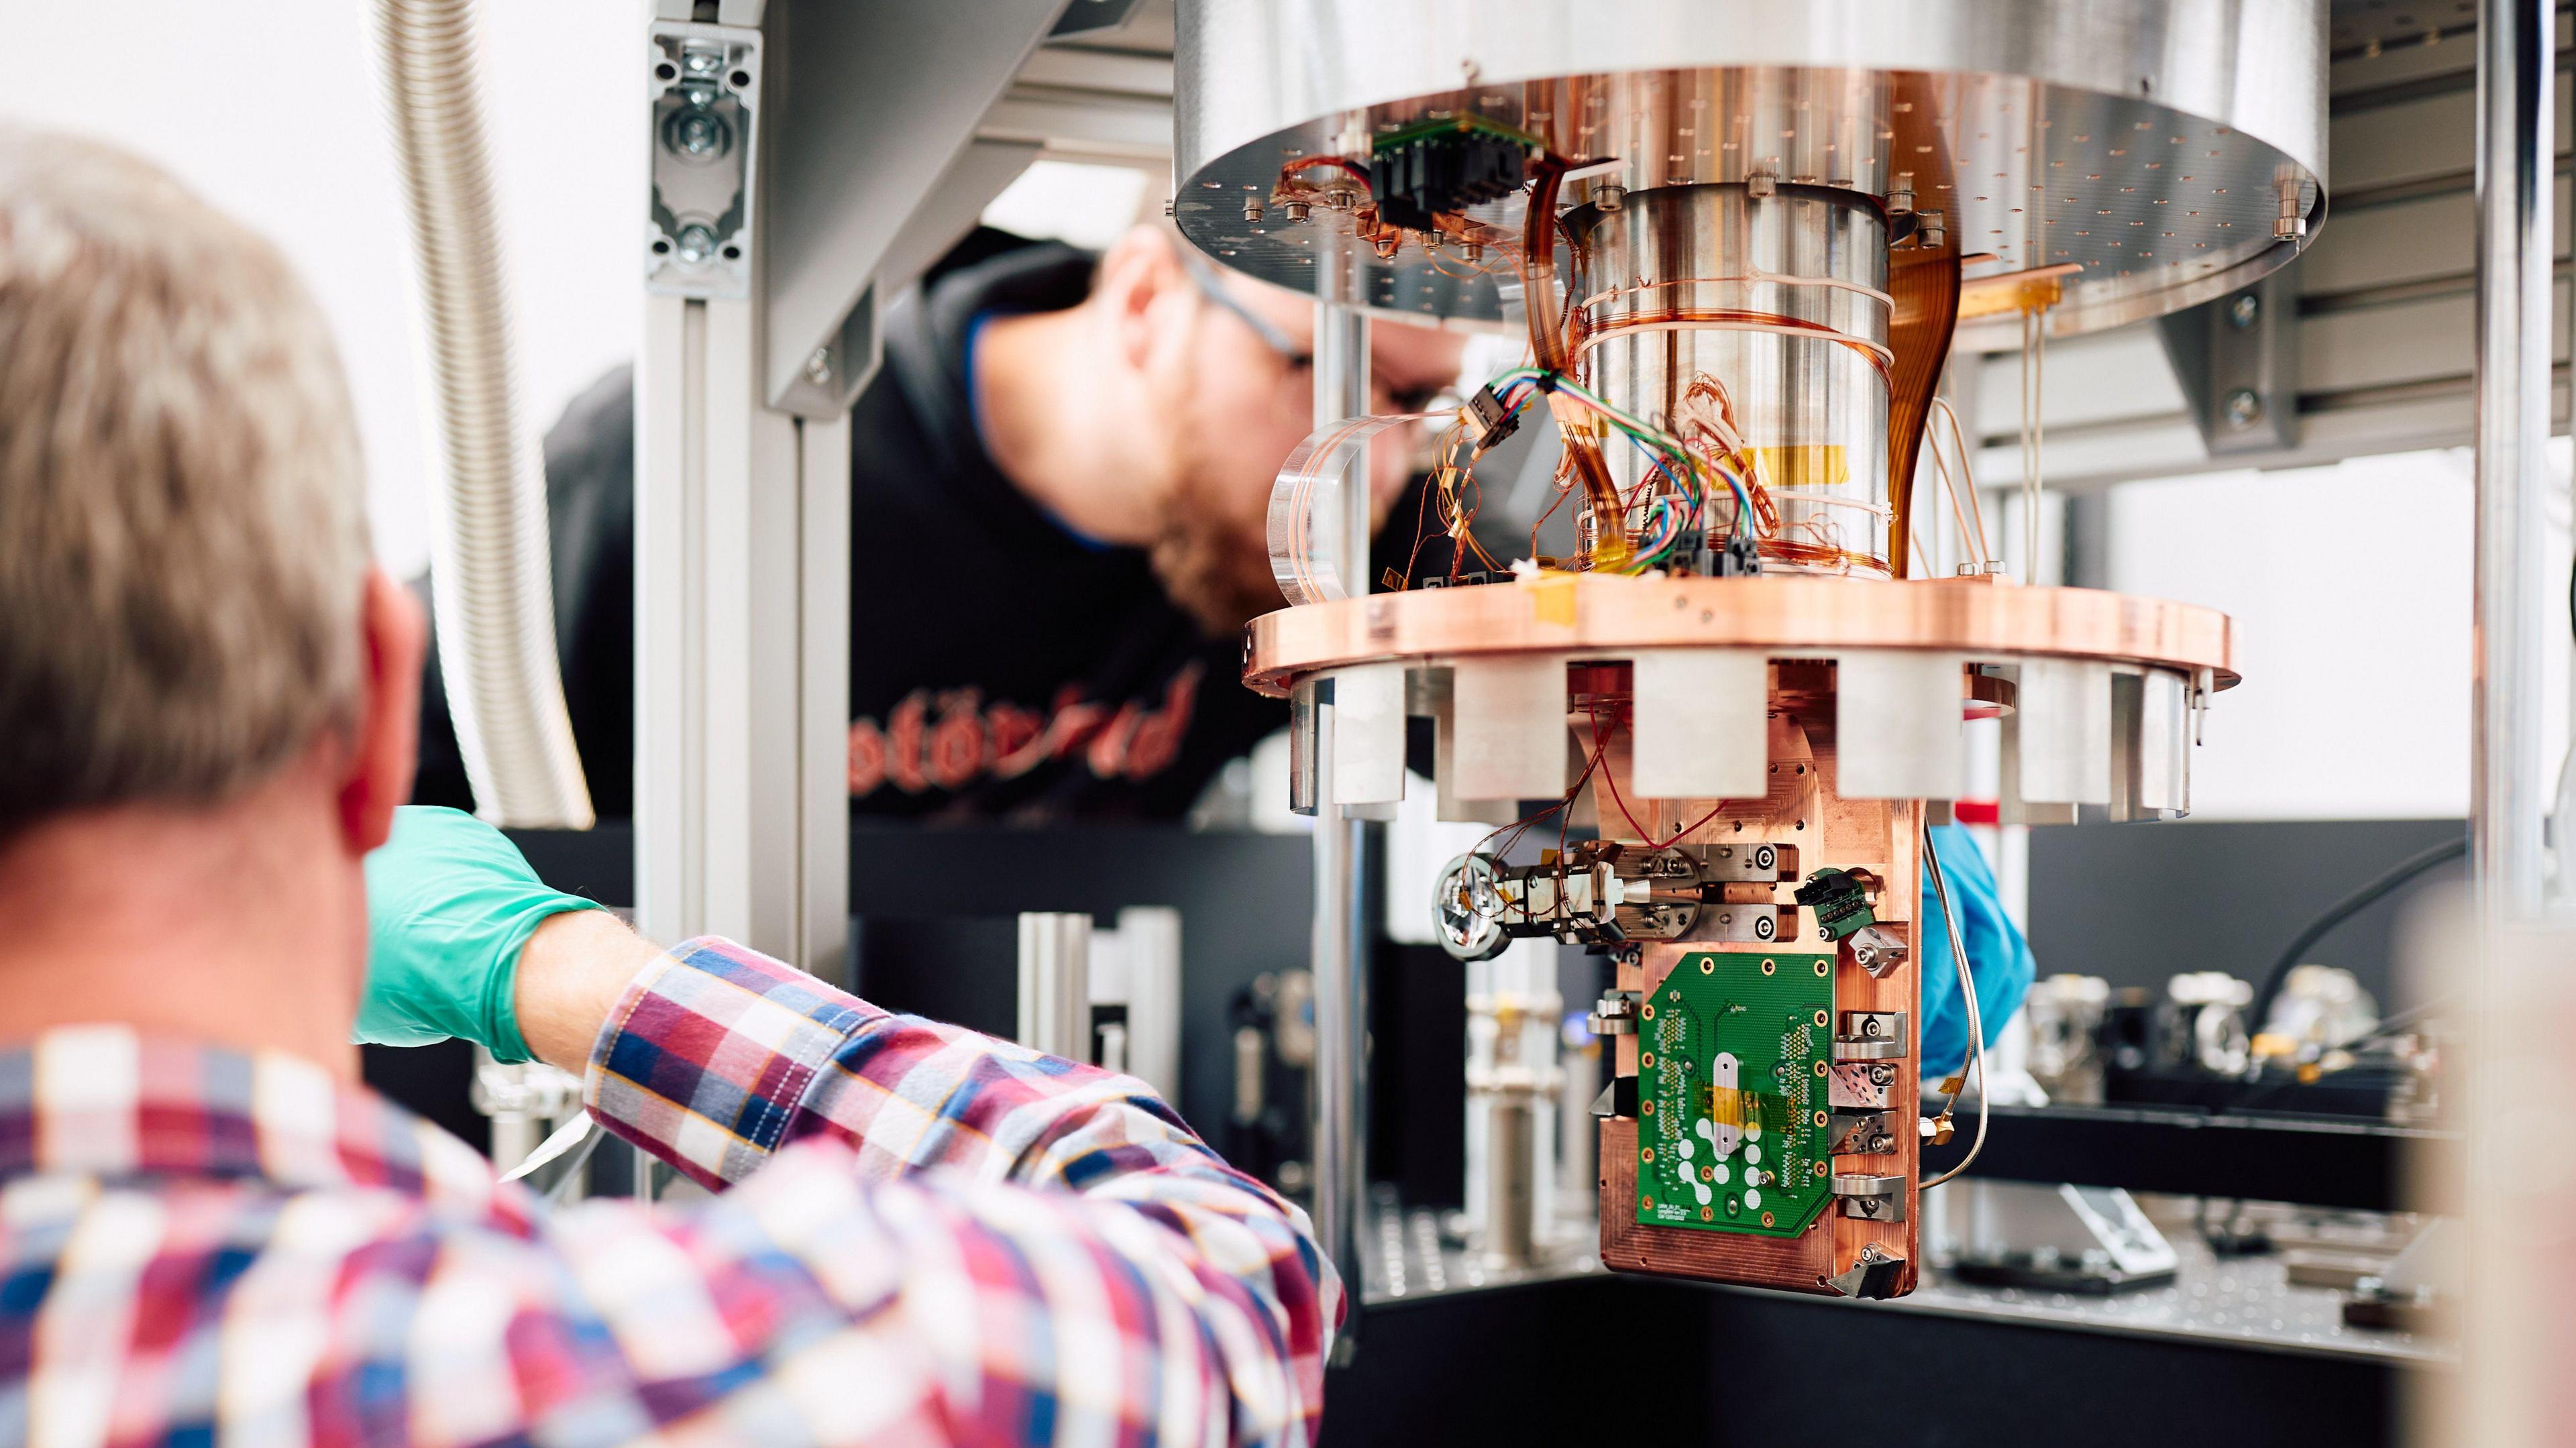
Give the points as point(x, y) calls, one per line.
point(1616, 1015)
point(2237, 361)
point(1756, 864)
point(1878, 950)
point(706, 101)
point(1872, 1274)
point(1870, 1197)
point(1860, 1133)
point(1870, 1036)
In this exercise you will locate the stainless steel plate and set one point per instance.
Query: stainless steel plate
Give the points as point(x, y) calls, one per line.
point(2151, 143)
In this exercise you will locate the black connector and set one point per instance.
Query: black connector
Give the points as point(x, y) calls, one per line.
point(1840, 900)
point(1445, 166)
point(1741, 557)
point(1495, 420)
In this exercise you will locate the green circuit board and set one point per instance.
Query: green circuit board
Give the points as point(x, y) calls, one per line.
point(1731, 1074)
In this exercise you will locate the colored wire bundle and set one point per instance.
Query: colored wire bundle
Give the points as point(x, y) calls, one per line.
point(1687, 476)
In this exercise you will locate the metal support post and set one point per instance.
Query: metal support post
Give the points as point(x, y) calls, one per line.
point(742, 603)
point(2516, 73)
point(1341, 945)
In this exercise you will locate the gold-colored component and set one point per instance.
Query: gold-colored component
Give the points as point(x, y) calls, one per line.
point(1823, 965)
point(1822, 1019)
point(1649, 1011)
point(1647, 1060)
point(1708, 1173)
point(1941, 1129)
point(1708, 965)
point(1770, 967)
point(1726, 1106)
point(1647, 1155)
point(1645, 1108)
point(1766, 1219)
point(1647, 1202)
point(1953, 1085)
point(1820, 1120)
point(2035, 290)
point(1820, 1068)
point(1708, 1214)
point(1804, 465)
point(1820, 1168)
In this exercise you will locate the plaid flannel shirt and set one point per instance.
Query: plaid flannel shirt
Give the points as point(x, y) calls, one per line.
point(929, 1237)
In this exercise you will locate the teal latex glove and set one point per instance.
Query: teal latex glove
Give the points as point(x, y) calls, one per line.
point(450, 902)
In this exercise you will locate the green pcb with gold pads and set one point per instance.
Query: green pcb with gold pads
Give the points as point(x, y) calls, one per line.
point(1734, 1050)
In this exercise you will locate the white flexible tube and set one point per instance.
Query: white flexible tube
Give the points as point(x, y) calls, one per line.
point(493, 585)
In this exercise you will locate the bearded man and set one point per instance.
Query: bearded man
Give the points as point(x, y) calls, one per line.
point(1059, 483)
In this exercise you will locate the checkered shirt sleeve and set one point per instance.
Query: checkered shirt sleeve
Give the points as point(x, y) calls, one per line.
point(1010, 1248)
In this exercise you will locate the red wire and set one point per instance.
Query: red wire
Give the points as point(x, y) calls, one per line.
point(1601, 743)
point(1345, 163)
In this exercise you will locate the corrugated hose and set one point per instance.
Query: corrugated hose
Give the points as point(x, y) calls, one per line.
point(494, 592)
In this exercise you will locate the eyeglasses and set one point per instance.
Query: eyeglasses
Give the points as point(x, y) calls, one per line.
point(1204, 277)
point(1298, 359)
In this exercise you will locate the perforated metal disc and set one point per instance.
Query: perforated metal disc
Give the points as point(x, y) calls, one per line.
point(2153, 144)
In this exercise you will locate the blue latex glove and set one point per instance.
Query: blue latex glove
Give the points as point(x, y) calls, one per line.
point(450, 902)
point(1997, 955)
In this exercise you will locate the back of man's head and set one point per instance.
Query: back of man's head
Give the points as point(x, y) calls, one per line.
point(183, 545)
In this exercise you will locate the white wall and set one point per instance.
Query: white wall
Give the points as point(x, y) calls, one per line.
point(2350, 587)
point(272, 111)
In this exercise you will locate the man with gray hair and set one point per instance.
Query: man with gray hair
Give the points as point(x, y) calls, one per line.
point(207, 696)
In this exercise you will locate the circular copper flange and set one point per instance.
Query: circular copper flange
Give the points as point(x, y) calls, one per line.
point(1788, 615)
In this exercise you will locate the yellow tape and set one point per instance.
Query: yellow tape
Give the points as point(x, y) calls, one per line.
point(1552, 598)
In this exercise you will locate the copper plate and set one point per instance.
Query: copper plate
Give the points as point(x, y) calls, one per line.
point(1789, 615)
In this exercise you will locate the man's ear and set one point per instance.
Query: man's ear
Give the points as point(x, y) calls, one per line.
point(385, 744)
point(1138, 288)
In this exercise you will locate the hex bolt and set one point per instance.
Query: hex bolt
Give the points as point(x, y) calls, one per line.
point(2244, 408)
point(818, 368)
point(701, 61)
point(697, 243)
point(1297, 210)
point(1474, 251)
point(1251, 209)
point(2245, 311)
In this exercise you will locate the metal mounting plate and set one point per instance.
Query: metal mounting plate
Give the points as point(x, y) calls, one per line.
point(2153, 142)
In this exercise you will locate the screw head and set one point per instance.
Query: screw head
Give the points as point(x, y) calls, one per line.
point(2245, 311)
point(699, 133)
point(818, 368)
point(1251, 210)
point(702, 62)
point(1297, 210)
point(2244, 409)
point(697, 244)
